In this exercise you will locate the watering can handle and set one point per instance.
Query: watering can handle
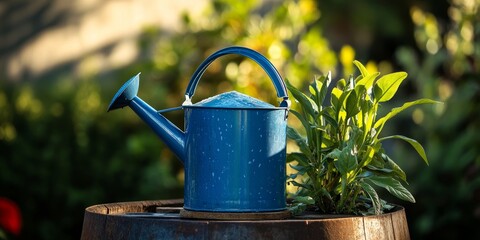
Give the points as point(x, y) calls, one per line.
point(252, 54)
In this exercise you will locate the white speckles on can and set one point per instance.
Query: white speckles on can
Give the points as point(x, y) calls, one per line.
point(259, 165)
point(213, 174)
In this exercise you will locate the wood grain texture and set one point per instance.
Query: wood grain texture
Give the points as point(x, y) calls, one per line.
point(118, 221)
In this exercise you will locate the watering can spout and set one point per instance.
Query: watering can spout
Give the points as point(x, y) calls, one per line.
point(170, 134)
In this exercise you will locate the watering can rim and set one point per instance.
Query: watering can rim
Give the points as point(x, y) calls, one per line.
point(237, 108)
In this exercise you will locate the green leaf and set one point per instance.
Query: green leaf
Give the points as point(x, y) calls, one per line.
point(351, 105)
point(297, 208)
point(380, 122)
point(302, 185)
point(334, 154)
point(377, 206)
point(341, 84)
point(306, 125)
point(307, 103)
point(386, 87)
point(301, 158)
point(367, 81)
point(304, 199)
point(315, 88)
point(299, 140)
point(418, 147)
point(326, 114)
point(335, 99)
point(377, 169)
point(368, 116)
point(396, 169)
point(341, 107)
point(351, 83)
point(299, 168)
point(326, 80)
point(361, 68)
point(318, 88)
point(393, 186)
point(292, 176)
point(368, 157)
point(346, 161)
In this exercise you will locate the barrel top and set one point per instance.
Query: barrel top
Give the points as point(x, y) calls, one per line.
point(161, 219)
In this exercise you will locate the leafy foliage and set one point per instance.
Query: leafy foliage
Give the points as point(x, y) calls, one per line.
point(450, 190)
point(341, 159)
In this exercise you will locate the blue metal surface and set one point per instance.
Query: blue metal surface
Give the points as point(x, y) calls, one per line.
point(233, 147)
point(170, 134)
point(236, 160)
point(125, 94)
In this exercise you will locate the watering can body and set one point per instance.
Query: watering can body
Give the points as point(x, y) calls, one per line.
point(235, 159)
point(233, 147)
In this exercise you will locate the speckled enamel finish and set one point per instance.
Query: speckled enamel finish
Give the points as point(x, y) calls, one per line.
point(235, 159)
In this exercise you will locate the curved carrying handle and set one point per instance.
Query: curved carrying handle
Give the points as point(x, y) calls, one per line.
point(252, 54)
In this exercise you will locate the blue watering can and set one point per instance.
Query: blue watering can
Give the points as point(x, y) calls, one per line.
point(233, 147)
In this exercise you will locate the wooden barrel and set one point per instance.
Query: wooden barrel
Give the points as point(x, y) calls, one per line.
point(161, 220)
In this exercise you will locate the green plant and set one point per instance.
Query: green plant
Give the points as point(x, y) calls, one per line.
point(341, 158)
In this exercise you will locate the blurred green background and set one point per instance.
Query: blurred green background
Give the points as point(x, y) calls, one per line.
point(60, 151)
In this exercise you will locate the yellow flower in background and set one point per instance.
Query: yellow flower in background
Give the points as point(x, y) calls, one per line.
point(347, 55)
